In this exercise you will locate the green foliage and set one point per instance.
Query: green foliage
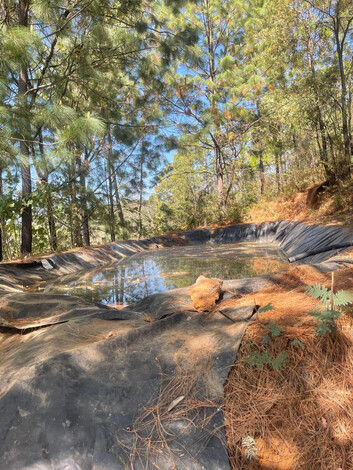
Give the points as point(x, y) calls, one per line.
point(280, 361)
point(326, 321)
point(326, 315)
point(273, 328)
point(83, 130)
point(257, 359)
point(253, 97)
point(260, 357)
point(266, 308)
point(319, 292)
point(297, 342)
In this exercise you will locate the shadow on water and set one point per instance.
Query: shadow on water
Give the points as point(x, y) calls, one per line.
point(146, 273)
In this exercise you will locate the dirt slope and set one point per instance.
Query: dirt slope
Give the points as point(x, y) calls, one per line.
point(317, 204)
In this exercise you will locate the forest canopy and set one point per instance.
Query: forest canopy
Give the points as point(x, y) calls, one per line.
point(122, 119)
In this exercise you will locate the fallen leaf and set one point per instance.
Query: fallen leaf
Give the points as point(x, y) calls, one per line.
point(175, 402)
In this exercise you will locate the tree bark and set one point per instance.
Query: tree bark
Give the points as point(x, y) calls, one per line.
point(1, 253)
point(278, 175)
point(76, 234)
point(112, 221)
point(118, 201)
point(140, 196)
point(26, 232)
point(220, 177)
point(83, 199)
point(262, 172)
point(209, 29)
point(231, 181)
point(44, 176)
point(323, 146)
point(345, 166)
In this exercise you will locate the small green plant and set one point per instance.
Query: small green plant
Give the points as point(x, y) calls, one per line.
point(330, 309)
point(297, 342)
point(257, 358)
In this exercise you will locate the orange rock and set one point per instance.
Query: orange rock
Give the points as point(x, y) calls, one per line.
point(205, 293)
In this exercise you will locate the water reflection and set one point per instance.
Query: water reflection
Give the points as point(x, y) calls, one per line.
point(154, 271)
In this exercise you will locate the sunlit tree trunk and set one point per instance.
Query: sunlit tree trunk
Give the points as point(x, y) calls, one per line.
point(140, 197)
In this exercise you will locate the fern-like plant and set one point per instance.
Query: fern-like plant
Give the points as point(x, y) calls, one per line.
point(331, 306)
point(249, 445)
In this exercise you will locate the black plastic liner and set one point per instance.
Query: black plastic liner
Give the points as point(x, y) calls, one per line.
point(311, 244)
point(84, 386)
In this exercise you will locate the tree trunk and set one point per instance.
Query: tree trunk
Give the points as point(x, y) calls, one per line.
point(209, 30)
point(118, 202)
point(220, 176)
point(323, 147)
point(44, 176)
point(141, 196)
point(76, 235)
point(83, 199)
point(26, 239)
point(330, 174)
point(345, 166)
point(232, 178)
point(51, 221)
point(1, 253)
point(262, 172)
point(112, 221)
point(278, 175)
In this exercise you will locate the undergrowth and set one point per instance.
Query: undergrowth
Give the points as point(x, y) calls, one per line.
point(289, 396)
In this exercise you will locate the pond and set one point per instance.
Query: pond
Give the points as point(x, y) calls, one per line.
point(148, 272)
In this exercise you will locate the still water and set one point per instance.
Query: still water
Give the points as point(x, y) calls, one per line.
point(142, 274)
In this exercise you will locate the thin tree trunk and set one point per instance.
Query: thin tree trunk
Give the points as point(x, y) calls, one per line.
point(346, 162)
point(51, 221)
point(212, 76)
point(324, 151)
point(278, 175)
point(323, 147)
point(1, 253)
point(220, 176)
point(76, 237)
point(44, 176)
point(83, 198)
point(231, 182)
point(26, 232)
point(283, 169)
point(118, 201)
point(262, 172)
point(141, 196)
point(112, 221)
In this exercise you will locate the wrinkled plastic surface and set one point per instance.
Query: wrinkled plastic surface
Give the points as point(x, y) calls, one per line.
point(84, 386)
point(71, 393)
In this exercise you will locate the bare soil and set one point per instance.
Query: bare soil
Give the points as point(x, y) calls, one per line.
point(317, 204)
